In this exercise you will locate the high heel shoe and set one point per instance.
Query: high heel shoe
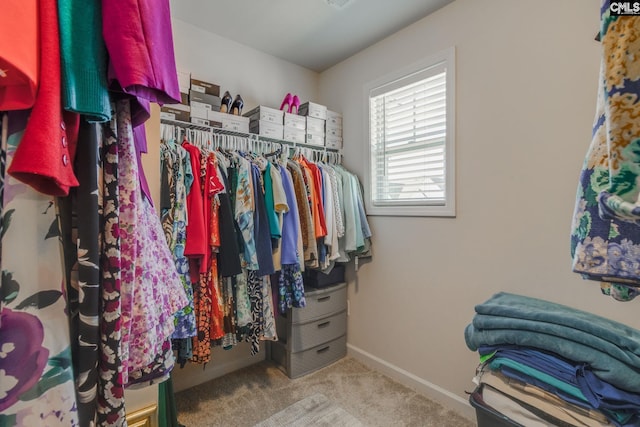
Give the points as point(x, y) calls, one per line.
point(295, 103)
point(286, 103)
point(225, 102)
point(236, 107)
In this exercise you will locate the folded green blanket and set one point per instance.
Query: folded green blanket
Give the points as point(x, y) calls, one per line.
point(611, 349)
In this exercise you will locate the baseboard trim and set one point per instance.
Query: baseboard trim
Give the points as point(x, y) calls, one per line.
point(433, 391)
point(222, 362)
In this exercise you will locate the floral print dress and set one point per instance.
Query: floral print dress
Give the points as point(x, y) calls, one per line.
point(36, 378)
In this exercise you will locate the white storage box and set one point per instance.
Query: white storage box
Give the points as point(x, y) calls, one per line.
point(268, 129)
point(265, 114)
point(215, 118)
point(334, 142)
point(294, 135)
point(315, 125)
point(235, 123)
point(333, 131)
point(313, 110)
point(200, 111)
point(295, 121)
point(315, 139)
point(199, 121)
point(334, 119)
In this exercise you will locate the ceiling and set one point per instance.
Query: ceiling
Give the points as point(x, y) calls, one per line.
point(315, 34)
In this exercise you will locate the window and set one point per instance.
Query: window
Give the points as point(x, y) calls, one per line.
point(411, 141)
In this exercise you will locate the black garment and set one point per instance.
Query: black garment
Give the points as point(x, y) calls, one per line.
point(229, 255)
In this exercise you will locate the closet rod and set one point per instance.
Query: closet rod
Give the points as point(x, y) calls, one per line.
point(251, 136)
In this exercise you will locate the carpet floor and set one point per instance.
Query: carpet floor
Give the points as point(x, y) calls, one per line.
point(253, 394)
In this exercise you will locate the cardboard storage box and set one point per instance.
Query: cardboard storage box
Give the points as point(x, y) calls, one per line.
point(200, 111)
point(294, 135)
point(265, 114)
point(204, 98)
point(315, 139)
point(199, 121)
point(184, 98)
point(313, 110)
point(235, 123)
point(315, 125)
point(205, 87)
point(200, 105)
point(172, 113)
point(334, 142)
point(295, 121)
point(215, 118)
point(268, 129)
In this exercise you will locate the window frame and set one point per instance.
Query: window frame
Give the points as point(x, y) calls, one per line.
point(422, 208)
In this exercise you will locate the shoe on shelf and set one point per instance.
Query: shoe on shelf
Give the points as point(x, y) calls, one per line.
point(286, 103)
point(295, 103)
point(225, 102)
point(236, 107)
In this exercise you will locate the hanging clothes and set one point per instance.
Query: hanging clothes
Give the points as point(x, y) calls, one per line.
point(605, 237)
point(36, 362)
point(79, 220)
point(44, 158)
point(83, 60)
point(19, 59)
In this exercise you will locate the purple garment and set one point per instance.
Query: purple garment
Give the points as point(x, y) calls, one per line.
point(290, 222)
point(139, 40)
point(140, 141)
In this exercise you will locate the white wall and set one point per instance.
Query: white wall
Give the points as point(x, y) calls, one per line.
point(259, 78)
point(526, 90)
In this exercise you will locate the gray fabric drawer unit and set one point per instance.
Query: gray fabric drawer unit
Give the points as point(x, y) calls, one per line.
point(304, 362)
point(312, 337)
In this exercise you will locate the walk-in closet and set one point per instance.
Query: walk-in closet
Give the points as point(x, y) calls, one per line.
point(323, 212)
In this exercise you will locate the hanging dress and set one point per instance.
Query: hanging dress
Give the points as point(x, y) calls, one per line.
point(36, 378)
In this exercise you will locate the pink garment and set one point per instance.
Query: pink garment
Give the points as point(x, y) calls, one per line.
point(151, 290)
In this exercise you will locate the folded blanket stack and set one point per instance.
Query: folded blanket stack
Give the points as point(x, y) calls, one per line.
point(544, 364)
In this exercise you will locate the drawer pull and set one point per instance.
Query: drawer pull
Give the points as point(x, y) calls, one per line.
point(323, 299)
point(323, 350)
point(324, 324)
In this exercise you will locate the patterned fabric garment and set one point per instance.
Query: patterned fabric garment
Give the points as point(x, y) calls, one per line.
point(255, 329)
point(269, 329)
point(202, 303)
point(243, 211)
point(229, 339)
point(175, 159)
point(605, 236)
point(291, 288)
point(151, 290)
point(79, 224)
point(36, 381)
point(111, 405)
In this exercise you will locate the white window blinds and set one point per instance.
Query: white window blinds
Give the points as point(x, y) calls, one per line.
point(408, 129)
